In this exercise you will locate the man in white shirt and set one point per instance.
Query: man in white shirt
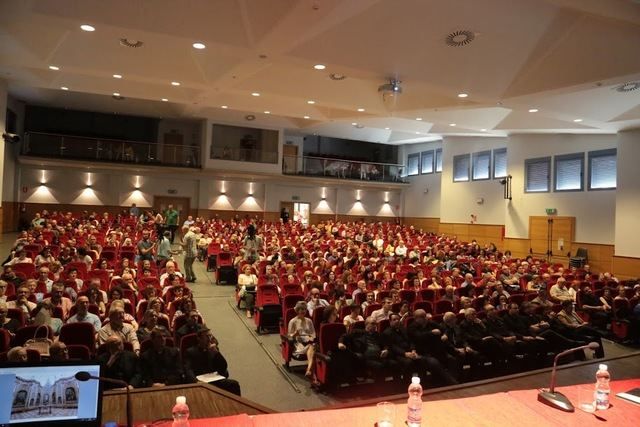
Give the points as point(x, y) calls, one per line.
point(559, 291)
point(83, 315)
point(22, 302)
point(384, 312)
point(170, 267)
point(43, 277)
point(315, 301)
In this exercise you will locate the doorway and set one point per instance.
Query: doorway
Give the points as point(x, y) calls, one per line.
point(301, 213)
point(181, 204)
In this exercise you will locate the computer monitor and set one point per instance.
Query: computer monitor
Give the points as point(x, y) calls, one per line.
point(48, 394)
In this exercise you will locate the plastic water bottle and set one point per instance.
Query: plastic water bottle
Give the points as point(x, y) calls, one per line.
point(602, 387)
point(414, 403)
point(180, 412)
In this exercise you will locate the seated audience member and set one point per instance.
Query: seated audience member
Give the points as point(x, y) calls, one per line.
point(404, 352)
point(204, 358)
point(538, 327)
point(456, 345)
point(370, 299)
point(599, 313)
point(509, 340)
point(117, 326)
point(43, 277)
point(315, 301)
point(75, 283)
point(361, 288)
point(115, 293)
point(95, 297)
point(384, 312)
point(509, 281)
point(7, 323)
point(577, 329)
point(449, 295)
point(128, 281)
point(17, 354)
point(499, 291)
point(32, 285)
point(542, 298)
point(475, 332)
point(119, 364)
point(21, 257)
point(535, 283)
point(57, 299)
point(405, 310)
point(329, 315)
point(300, 329)
point(560, 291)
point(148, 292)
point(83, 314)
point(353, 316)
point(369, 357)
point(170, 269)
point(44, 316)
point(10, 276)
point(160, 365)
point(22, 301)
point(58, 352)
point(118, 303)
point(149, 324)
point(467, 285)
point(191, 326)
point(157, 305)
point(247, 282)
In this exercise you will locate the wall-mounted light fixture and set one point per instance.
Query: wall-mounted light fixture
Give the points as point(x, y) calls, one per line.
point(137, 184)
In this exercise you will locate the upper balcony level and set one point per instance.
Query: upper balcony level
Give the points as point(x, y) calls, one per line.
point(110, 150)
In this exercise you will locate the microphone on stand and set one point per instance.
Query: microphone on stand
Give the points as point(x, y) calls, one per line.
point(86, 376)
point(553, 398)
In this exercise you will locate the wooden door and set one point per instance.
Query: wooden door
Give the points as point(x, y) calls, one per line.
point(173, 149)
point(182, 204)
point(290, 159)
point(559, 228)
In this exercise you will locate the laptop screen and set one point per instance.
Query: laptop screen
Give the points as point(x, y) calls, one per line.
point(48, 394)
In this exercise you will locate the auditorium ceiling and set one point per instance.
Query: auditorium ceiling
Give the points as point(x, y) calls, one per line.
point(526, 66)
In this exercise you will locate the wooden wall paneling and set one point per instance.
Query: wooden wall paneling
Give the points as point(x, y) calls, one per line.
point(428, 225)
point(519, 247)
point(600, 256)
point(563, 227)
point(317, 218)
point(626, 267)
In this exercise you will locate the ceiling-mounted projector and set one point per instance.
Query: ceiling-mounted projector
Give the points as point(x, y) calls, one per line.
point(390, 93)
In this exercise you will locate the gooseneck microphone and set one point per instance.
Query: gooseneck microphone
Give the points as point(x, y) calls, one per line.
point(556, 399)
point(86, 376)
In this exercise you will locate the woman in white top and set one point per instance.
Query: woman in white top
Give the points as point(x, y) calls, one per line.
point(247, 282)
point(302, 332)
point(353, 317)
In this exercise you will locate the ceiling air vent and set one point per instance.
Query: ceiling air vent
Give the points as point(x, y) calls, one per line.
point(131, 43)
point(337, 77)
point(628, 87)
point(460, 38)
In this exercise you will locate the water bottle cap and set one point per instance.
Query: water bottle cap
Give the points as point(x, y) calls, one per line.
point(602, 367)
point(415, 380)
point(181, 400)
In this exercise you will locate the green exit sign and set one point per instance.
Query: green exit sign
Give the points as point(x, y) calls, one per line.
point(551, 211)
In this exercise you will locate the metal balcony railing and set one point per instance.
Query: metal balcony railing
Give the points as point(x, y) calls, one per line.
point(342, 169)
point(109, 150)
point(244, 155)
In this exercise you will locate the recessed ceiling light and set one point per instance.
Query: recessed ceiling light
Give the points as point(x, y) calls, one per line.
point(87, 27)
point(452, 124)
point(306, 117)
point(224, 106)
point(311, 102)
point(577, 120)
point(419, 119)
point(533, 110)
point(387, 128)
point(54, 68)
point(255, 94)
point(319, 66)
point(483, 130)
point(199, 45)
point(361, 110)
point(175, 83)
point(463, 95)
point(417, 133)
point(116, 94)
point(353, 123)
point(64, 88)
point(165, 100)
point(117, 76)
point(267, 112)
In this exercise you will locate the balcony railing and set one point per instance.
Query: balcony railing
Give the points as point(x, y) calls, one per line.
point(109, 150)
point(342, 169)
point(244, 155)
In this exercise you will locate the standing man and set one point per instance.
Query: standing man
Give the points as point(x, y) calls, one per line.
point(164, 248)
point(134, 211)
point(189, 243)
point(171, 218)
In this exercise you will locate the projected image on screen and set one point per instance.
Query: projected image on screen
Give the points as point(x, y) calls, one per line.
point(39, 395)
point(55, 396)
